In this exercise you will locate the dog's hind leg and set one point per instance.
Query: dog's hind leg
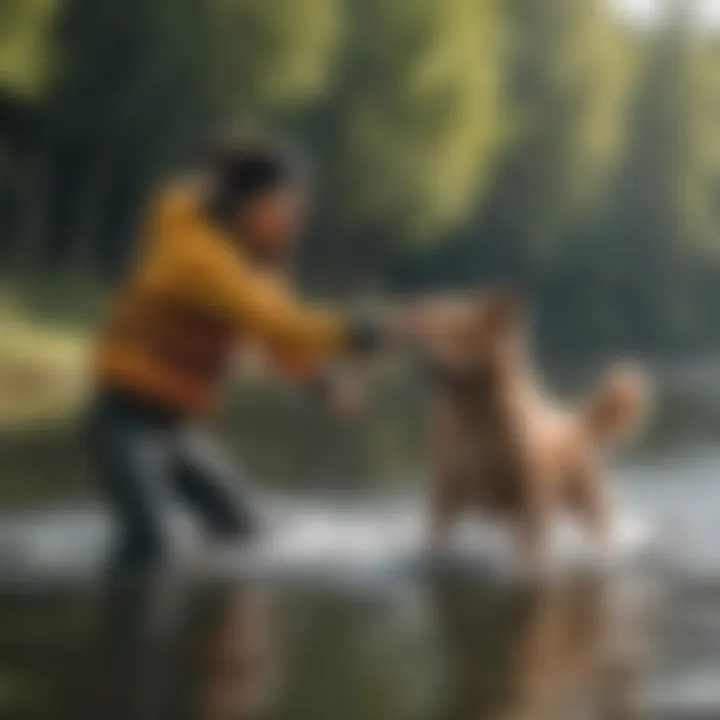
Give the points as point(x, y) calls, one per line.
point(444, 511)
point(535, 519)
point(590, 501)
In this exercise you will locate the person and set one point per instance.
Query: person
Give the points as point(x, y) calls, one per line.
point(210, 279)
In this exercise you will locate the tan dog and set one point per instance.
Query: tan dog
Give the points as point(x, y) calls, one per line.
point(501, 445)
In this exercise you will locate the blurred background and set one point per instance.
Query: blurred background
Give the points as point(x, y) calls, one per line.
point(571, 147)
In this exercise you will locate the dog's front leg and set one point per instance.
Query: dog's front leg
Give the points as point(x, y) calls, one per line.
point(534, 531)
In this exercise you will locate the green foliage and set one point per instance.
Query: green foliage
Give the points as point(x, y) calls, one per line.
point(535, 140)
point(140, 86)
point(657, 249)
point(25, 46)
point(408, 130)
point(566, 85)
point(265, 54)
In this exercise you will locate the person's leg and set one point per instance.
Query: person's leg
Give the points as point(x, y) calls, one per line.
point(132, 459)
point(210, 483)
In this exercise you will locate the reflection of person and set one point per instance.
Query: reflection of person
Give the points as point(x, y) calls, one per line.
point(211, 273)
point(168, 650)
point(533, 653)
point(129, 669)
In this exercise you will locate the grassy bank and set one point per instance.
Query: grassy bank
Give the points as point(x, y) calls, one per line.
point(41, 367)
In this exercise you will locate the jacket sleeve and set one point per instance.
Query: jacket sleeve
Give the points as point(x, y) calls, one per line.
point(297, 366)
point(264, 308)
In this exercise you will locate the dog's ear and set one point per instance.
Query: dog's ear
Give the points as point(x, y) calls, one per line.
point(505, 309)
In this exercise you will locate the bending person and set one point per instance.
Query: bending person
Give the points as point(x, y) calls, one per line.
point(210, 278)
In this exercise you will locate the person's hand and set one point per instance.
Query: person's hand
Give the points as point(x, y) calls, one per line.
point(339, 393)
point(424, 320)
point(344, 398)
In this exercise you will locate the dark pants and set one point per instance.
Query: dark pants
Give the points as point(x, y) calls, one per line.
point(145, 457)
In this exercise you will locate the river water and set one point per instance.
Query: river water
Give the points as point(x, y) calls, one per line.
point(359, 630)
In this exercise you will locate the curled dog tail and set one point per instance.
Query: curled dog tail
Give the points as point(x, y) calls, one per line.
point(618, 406)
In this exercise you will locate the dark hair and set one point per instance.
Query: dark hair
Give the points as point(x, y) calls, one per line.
point(241, 167)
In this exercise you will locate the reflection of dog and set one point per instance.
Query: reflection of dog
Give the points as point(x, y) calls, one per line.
point(533, 654)
point(501, 445)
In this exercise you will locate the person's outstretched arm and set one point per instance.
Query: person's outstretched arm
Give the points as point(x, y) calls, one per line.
point(270, 312)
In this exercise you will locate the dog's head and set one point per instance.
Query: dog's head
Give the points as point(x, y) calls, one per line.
point(480, 335)
point(498, 343)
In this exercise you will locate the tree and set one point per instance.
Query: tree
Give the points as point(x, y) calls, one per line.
point(405, 134)
point(659, 244)
point(264, 56)
point(140, 87)
point(566, 82)
point(26, 48)
point(27, 59)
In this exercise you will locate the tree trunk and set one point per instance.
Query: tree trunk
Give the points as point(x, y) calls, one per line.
point(32, 230)
point(91, 206)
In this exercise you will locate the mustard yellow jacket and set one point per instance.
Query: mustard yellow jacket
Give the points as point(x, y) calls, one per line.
point(193, 296)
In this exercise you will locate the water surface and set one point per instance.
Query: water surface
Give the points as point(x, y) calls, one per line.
point(368, 638)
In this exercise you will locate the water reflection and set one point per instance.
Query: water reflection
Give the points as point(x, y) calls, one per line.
point(564, 649)
point(452, 648)
point(234, 662)
point(166, 648)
